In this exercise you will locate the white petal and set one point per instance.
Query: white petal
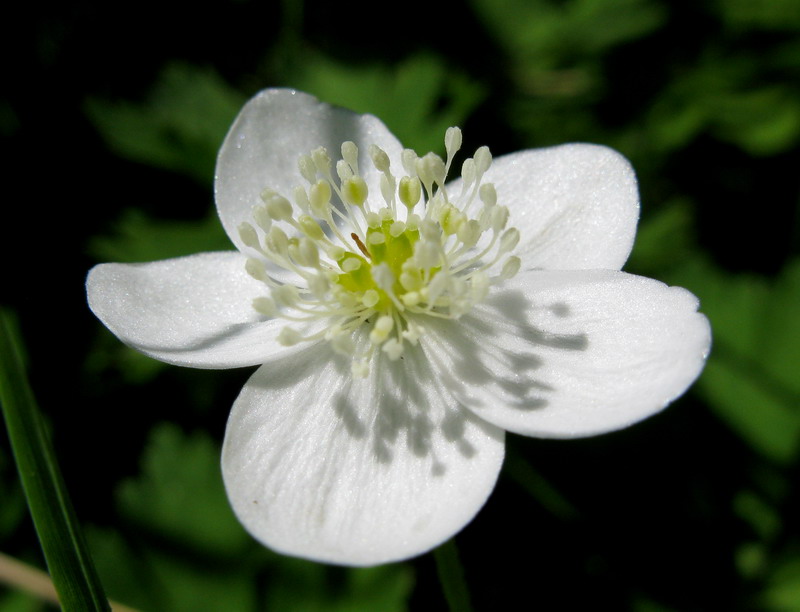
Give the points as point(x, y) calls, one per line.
point(355, 471)
point(576, 206)
point(573, 353)
point(272, 131)
point(194, 311)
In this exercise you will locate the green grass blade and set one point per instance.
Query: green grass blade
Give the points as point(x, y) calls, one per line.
point(451, 576)
point(65, 551)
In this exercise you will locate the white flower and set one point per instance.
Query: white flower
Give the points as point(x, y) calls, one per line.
point(397, 336)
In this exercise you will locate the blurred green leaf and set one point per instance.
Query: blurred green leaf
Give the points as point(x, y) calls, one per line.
point(108, 354)
point(750, 378)
point(550, 33)
point(17, 601)
point(310, 587)
point(179, 127)
point(732, 95)
point(139, 238)
point(545, 494)
point(764, 520)
point(418, 99)
point(757, 14)
point(451, 577)
point(149, 577)
point(751, 559)
point(666, 239)
point(642, 604)
point(782, 593)
point(180, 495)
point(763, 121)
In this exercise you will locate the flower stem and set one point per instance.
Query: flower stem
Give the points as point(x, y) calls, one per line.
point(451, 575)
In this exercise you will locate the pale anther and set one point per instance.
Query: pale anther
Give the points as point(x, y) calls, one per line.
point(351, 264)
point(370, 298)
point(308, 169)
point(379, 158)
point(409, 159)
point(255, 268)
point(393, 349)
point(265, 306)
point(483, 159)
point(319, 197)
point(355, 190)
point(350, 154)
point(289, 336)
point(509, 240)
point(248, 235)
point(321, 159)
point(397, 228)
point(279, 208)
point(488, 194)
point(510, 267)
point(452, 141)
point(262, 218)
point(277, 241)
point(409, 191)
point(310, 227)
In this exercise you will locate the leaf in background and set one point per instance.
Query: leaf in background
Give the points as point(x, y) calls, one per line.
point(762, 14)
point(664, 240)
point(139, 238)
point(146, 575)
point(782, 593)
point(311, 587)
point(549, 33)
point(761, 121)
point(17, 601)
point(179, 127)
point(751, 377)
point(737, 97)
point(180, 495)
point(761, 516)
point(107, 354)
point(417, 99)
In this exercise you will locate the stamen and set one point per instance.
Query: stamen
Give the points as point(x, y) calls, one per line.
point(433, 264)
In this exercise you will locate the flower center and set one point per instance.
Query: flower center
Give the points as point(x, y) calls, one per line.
point(387, 262)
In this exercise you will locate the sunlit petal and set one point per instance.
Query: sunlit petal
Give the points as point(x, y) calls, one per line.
point(193, 311)
point(568, 354)
point(355, 471)
point(273, 130)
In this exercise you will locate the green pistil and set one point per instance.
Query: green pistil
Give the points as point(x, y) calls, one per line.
point(394, 250)
point(385, 248)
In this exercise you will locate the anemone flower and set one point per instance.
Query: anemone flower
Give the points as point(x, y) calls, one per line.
point(401, 323)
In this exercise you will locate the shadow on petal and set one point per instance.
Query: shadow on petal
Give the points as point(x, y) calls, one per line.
point(471, 355)
point(402, 407)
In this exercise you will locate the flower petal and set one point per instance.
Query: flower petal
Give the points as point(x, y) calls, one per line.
point(193, 311)
point(272, 131)
point(355, 471)
point(576, 205)
point(573, 353)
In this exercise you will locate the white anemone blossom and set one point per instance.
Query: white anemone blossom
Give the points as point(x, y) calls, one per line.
point(402, 323)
